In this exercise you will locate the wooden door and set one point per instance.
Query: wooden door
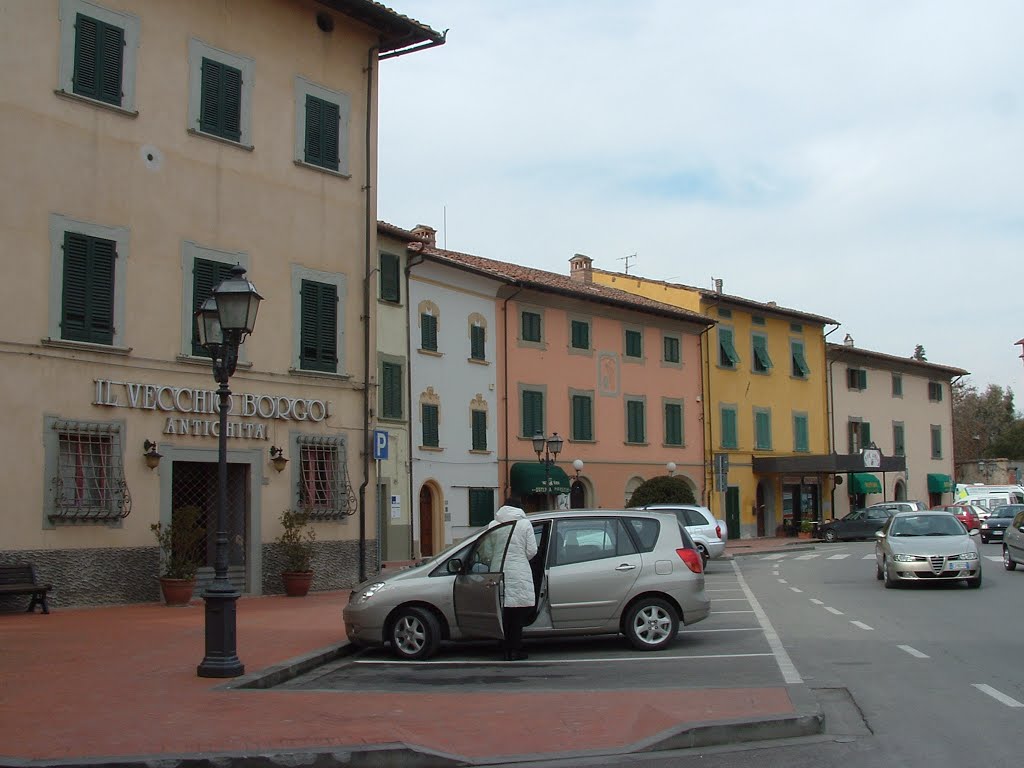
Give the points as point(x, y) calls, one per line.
point(426, 522)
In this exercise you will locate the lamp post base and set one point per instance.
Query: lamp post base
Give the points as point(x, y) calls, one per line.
point(221, 658)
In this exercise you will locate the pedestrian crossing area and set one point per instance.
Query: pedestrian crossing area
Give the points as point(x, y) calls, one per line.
point(843, 556)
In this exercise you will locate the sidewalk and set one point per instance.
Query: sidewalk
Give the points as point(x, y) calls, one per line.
point(119, 683)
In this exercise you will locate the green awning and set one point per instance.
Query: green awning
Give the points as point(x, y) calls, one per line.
point(940, 483)
point(862, 482)
point(528, 477)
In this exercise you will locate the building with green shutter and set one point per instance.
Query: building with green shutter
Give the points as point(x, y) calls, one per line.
point(152, 145)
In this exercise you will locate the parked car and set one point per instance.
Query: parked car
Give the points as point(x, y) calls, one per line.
point(999, 519)
point(708, 533)
point(926, 546)
point(899, 506)
point(1013, 542)
point(859, 524)
point(962, 512)
point(981, 511)
point(629, 572)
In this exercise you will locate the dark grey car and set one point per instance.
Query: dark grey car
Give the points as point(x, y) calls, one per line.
point(994, 526)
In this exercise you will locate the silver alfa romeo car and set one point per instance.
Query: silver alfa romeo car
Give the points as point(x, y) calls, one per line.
point(914, 547)
point(631, 572)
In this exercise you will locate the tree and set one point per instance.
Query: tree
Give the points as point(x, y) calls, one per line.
point(981, 421)
point(663, 489)
point(919, 353)
point(1009, 444)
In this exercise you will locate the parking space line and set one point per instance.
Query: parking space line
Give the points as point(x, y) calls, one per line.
point(786, 666)
point(806, 557)
point(816, 601)
point(913, 652)
point(833, 610)
point(719, 613)
point(595, 659)
point(862, 625)
point(1002, 698)
point(838, 557)
point(727, 599)
point(783, 581)
point(728, 589)
point(796, 590)
point(776, 556)
point(729, 629)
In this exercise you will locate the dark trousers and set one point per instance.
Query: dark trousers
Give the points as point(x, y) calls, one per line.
point(514, 619)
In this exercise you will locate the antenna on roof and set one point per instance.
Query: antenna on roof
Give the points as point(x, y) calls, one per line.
point(626, 259)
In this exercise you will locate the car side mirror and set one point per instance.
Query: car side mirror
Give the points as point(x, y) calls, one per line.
point(879, 534)
point(974, 532)
point(455, 566)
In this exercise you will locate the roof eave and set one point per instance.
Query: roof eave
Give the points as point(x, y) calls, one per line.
point(396, 31)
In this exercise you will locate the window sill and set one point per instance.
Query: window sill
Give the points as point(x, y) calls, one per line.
point(432, 448)
point(389, 302)
point(532, 344)
point(132, 113)
point(478, 452)
point(799, 378)
point(302, 372)
point(86, 346)
point(670, 364)
point(580, 351)
point(392, 419)
point(637, 445)
point(634, 360)
point(591, 441)
point(207, 362)
point(321, 169)
point(726, 367)
point(673, 445)
point(475, 361)
point(430, 352)
point(761, 373)
point(221, 139)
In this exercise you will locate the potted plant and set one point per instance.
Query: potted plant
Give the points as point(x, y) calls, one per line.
point(807, 528)
point(296, 545)
point(179, 542)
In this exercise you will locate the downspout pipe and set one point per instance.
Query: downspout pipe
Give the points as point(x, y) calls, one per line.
point(409, 264)
point(504, 362)
point(830, 407)
point(709, 474)
point(368, 190)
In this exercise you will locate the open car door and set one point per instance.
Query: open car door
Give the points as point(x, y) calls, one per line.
point(478, 587)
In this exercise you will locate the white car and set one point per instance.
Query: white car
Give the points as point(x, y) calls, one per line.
point(709, 534)
point(914, 547)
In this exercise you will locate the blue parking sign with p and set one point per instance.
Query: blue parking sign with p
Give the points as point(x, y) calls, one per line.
point(380, 444)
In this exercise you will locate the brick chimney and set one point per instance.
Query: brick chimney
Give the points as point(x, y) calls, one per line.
point(581, 268)
point(429, 234)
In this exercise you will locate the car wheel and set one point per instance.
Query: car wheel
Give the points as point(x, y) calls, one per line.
point(887, 578)
point(1008, 562)
point(651, 624)
point(830, 536)
point(975, 582)
point(414, 633)
point(704, 556)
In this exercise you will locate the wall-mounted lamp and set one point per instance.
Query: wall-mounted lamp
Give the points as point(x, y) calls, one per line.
point(671, 467)
point(151, 455)
point(276, 458)
point(578, 466)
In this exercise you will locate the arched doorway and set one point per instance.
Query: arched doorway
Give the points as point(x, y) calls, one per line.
point(900, 491)
point(631, 486)
point(577, 495)
point(427, 544)
point(759, 510)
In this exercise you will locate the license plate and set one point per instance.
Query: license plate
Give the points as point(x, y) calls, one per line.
point(956, 565)
point(995, 533)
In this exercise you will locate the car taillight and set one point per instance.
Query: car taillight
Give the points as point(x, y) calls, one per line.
point(718, 531)
point(691, 557)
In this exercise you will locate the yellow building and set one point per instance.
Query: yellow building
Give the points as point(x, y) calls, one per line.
point(149, 146)
point(768, 464)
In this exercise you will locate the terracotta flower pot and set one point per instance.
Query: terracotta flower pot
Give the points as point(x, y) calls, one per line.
point(177, 592)
point(296, 583)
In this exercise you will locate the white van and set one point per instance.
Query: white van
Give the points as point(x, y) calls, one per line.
point(988, 497)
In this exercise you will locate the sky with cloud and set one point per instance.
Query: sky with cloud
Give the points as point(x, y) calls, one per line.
point(860, 160)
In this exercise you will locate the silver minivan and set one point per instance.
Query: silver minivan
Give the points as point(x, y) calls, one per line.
point(634, 573)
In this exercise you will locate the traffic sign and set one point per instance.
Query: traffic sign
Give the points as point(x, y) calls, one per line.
point(380, 444)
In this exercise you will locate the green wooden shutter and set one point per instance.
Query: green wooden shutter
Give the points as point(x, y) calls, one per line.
point(206, 275)
point(479, 430)
point(428, 332)
point(800, 436)
point(729, 438)
point(634, 421)
point(87, 301)
point(673, 424)
point(671, 344)
point(762, 361)
point(429, 419)
point(391, 390)
point(762, 431)
point(533, 413)
point(322, 129)
point(897, 440)
point(582, 418)
point(531, 326)
point(634, 344)
point(800, 368)
point(865, 434)
point(481, 506)
point(220, 103)
point(390, 287)
point(580, 335)
point(727, 357)
point(99, 60)
point(477, 349)
point(318, 333)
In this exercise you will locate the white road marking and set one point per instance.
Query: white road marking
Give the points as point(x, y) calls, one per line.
point(994, 558)
point(806, 557)
point(838, 557)
point(796, 590)
point(727, 599)
point(719, 613)
point(833, 610)
point(868, 557)
point(816, 601)
point(728, 589)
point(913, 652)
point(730, 629)
point(789, 673)
point(645, 657)
point(783, 581)
point(776, 556)
point(862, 625)
point(1002, 698)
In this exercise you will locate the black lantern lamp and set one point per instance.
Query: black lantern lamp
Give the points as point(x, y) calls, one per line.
point(547, 450)
point(151, 455)
point(222, 323)
point(277, 458)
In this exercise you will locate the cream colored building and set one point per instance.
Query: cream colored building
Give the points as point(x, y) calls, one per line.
point(148, 146)
point(903, 409)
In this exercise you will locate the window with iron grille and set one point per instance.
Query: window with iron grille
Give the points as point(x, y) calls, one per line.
point(479, 430)
point(324, 491)
point(88, 473)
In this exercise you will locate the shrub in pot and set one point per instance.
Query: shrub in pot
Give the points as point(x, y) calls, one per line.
point(296, 545)
point(180, 544)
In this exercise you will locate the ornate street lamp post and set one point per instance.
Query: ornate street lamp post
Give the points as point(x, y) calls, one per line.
point(547, 449)
point(223, 322)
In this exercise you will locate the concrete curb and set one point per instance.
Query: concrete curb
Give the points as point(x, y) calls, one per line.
point(282, 673)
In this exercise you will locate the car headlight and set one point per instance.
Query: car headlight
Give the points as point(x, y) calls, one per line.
point(899, 557)
point(984, 525)
point(370, 591)
point(968, 556)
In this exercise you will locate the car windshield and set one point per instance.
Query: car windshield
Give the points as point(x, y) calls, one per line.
point(1007, 511)
point(926, 525)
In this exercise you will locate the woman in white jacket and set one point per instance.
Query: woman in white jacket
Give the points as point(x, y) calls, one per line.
point(518, 577)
